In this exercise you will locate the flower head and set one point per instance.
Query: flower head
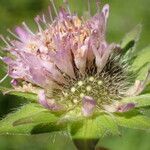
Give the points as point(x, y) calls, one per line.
point(69, 63)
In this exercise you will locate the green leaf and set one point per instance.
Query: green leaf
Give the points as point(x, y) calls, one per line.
point(94, 128)
point(143, 57)
point(133, 120)
point(141, 100)
point(131, 38)
point(26, 95)
point(147, 89)
point(29, 119)
point(128, 45)
point(142, 63)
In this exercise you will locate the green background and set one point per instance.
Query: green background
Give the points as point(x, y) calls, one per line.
point(124, 15)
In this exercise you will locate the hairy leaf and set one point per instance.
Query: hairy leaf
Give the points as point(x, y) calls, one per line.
point(128, 43)
point(140, 101)
point(29, 119)
point(142, 63)
point(26, 95)
point(133, 120)
point(131, 38)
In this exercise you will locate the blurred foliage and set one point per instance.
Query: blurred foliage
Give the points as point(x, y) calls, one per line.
point(124, 16)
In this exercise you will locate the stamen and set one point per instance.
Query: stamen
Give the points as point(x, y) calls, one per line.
point(27, 28)
point(65, 94)
point(13, 34)
point(3, 78)
point(43, 19)
point(98, 5)
point(8, 38)
point(73, 89)
point(89, 7)
point(53, 4)
point(80, 83)
point(75, 101)
point(91, 79)
point(88, 88)
point(67, 5)
point(3, 39)
point(38, 24)
point(82, 95)
point(100, 82)
point(50, 13)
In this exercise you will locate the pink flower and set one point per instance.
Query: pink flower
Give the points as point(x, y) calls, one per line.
point(69, 62)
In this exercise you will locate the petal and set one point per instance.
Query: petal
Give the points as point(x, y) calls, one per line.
point(14, 82)
point(42, 98)
point(101, 60)
point(88, 106)
point(105, 11)
point(80, 57)
point(48, 103)
point(22, 33)
point(125, 107)
point(119, 107)
point(139, 86)
point(63, 61)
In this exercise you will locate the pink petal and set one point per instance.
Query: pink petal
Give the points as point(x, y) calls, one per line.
point(48, 103)
point(22, 33)
point(88, 106)
point(125, 107)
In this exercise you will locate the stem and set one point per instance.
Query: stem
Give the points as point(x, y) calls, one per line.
point(88, 144)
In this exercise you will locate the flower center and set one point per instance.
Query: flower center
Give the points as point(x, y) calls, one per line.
point(104, 88)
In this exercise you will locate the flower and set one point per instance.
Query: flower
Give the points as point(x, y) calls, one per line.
point(71, 63)
point(71, 67)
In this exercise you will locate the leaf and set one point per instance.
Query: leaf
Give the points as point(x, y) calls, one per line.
point(26, 95)
point(94, 128)
point(128, 44)
point(29, 119)
point(133, 120)
point(142, 63)
point(131, 38)
point(147, 89)
point(141, 100)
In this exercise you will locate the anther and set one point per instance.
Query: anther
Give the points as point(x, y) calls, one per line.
point(82, 95)
point(75, 101)
point(55, 9)
point(91, 79)
point(73, 89)
point(88, 88)
point(100, 82)
point(65, 94)
point(80, 83)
